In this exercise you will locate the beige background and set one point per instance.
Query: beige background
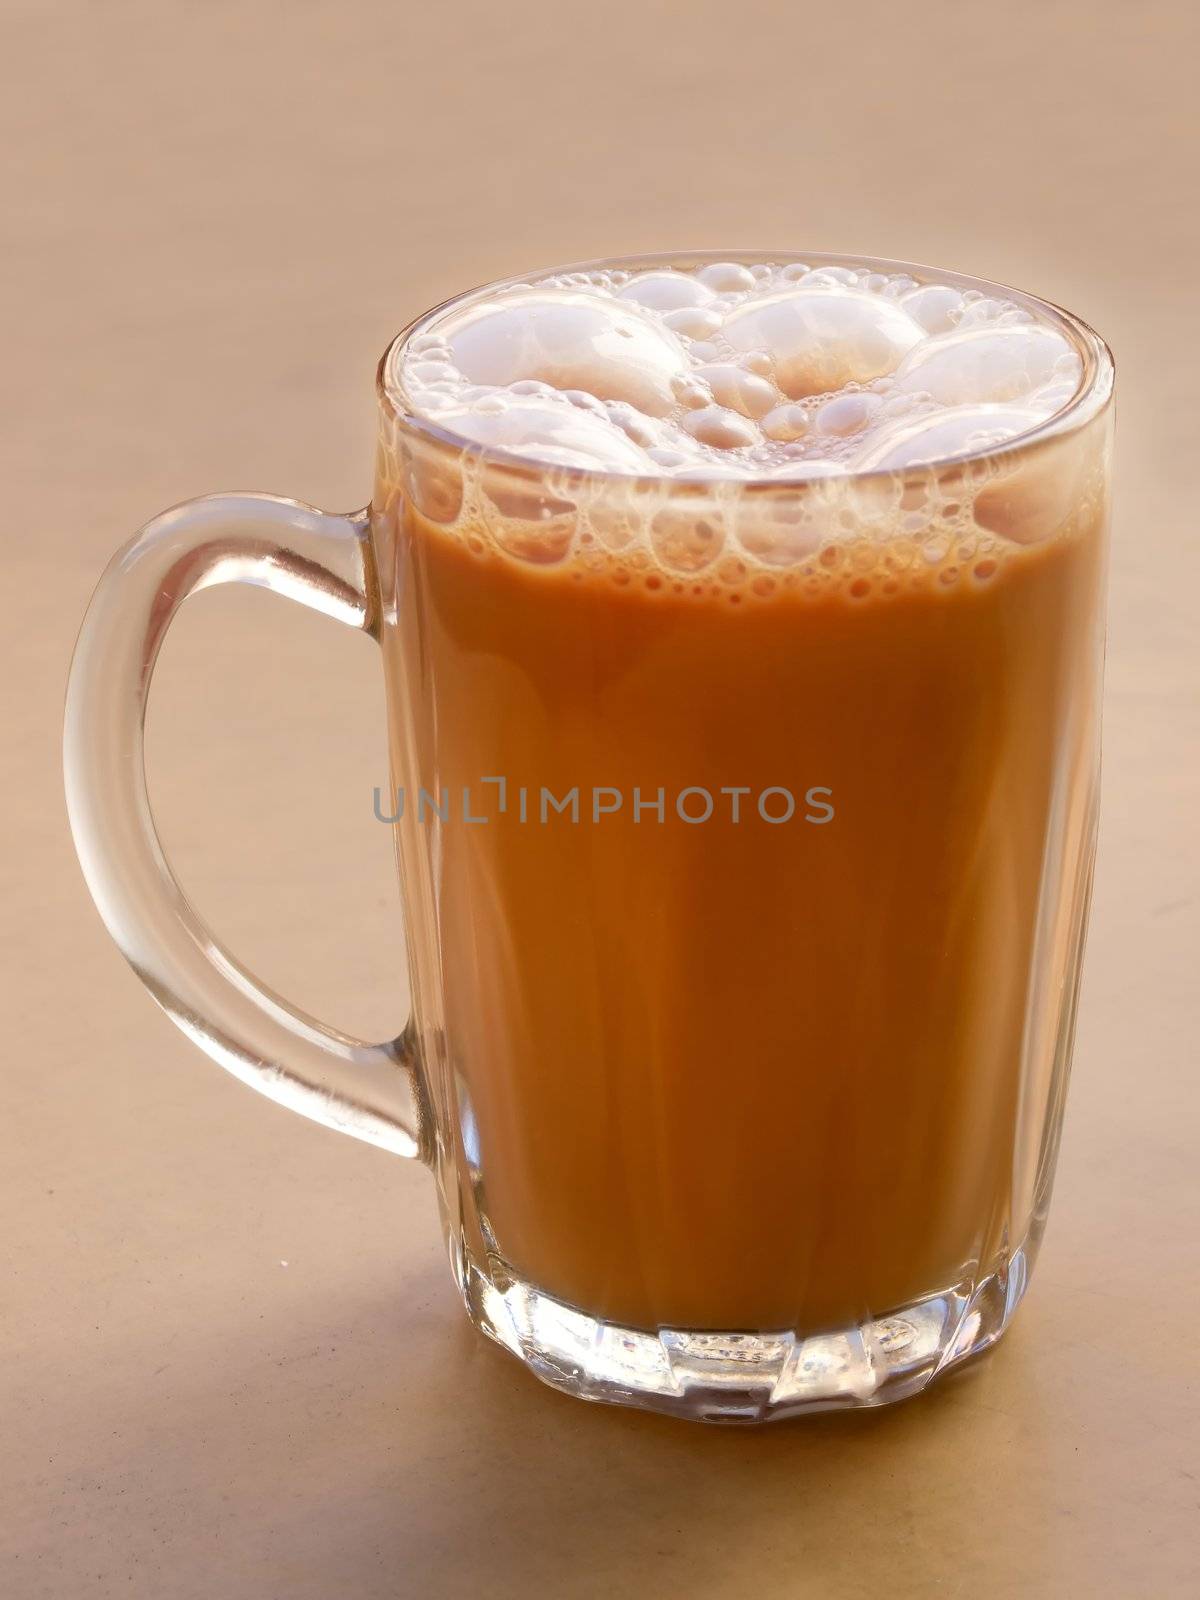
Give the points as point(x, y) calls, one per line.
point(232, 1359)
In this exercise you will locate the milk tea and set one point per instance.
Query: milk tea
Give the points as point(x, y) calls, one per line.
point(744, 620)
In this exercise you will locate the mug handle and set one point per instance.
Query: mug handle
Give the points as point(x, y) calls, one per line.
point(323, 560)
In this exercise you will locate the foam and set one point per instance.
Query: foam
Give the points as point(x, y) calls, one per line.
point(753, 371)
point(741, 431)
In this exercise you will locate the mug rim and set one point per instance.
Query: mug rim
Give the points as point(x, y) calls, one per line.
point(1093, 396)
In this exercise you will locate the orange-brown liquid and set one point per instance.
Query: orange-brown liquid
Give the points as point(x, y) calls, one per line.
point(755, 1075)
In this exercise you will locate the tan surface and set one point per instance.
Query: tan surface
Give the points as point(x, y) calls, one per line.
point(216, 216)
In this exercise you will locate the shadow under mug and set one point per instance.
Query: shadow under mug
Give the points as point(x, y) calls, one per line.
point(745, 834)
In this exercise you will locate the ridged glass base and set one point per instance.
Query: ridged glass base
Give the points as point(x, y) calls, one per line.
point(745, 1377)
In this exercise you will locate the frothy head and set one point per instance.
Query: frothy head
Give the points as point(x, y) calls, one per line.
point(746, 370)
point(747, 428)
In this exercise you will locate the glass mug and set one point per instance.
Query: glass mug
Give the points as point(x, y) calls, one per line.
point(746, 865)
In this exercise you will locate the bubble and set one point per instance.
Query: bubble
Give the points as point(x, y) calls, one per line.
point(666, 291)
point(532, 386)
point(782, 527)
point(430, 372)
point(824, 339)
point(641, 429)
point(694, 322)
point(615, 526)
point(960, 431)
point(721, 428)
point(434, 485)
point(1053, 396)
point(685, 539)
point(905, 405)
point(726, 277)
point(934, 305)
point(439, 399)
point(668, 459)
point(525, 516)
point(831, 277)
point(983, 364)
point(542, 544)
point(547, 432)
point(847, 413)
point(572, 340)
point(739, 389)
point(585, 401)
point(785, 423)
point(425, 344)
point(692, 391)
point(990, 311)
point(1030, 497)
